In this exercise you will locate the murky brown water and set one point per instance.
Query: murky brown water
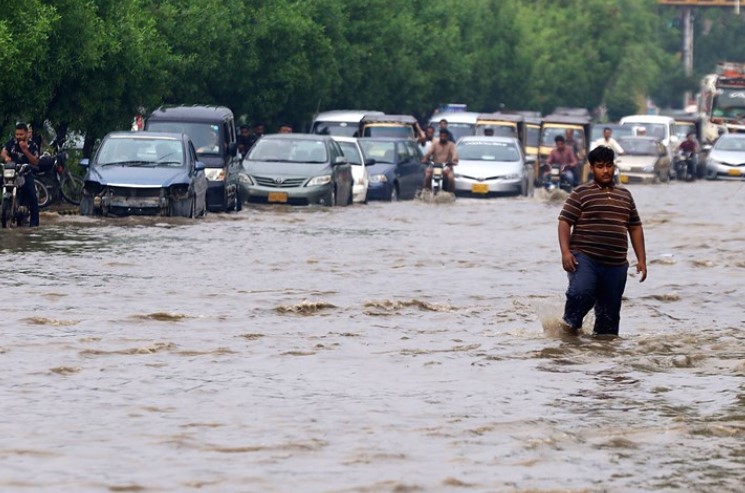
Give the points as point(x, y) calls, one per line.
point(368, 350)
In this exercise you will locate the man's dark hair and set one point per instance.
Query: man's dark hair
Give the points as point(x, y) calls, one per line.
point(22, 126)
point(445, 131)
point(608, 129)
point(244, 127)
point(259, 124)
point(559, 138)
point(601, 154)
point(443, 120)
point(285, 124)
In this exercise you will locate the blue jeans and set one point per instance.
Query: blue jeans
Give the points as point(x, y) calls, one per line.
point(599, 285)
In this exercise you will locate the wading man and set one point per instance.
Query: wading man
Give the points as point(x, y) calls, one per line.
point(594, 227)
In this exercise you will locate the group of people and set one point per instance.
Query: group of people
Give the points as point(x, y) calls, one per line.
point(247, 138)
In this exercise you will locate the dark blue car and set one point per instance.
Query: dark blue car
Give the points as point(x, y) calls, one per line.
point(394, 166)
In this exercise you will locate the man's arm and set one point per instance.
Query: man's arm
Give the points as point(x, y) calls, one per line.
point(637, 242)
point(5, 156)
point(32, 157)
point(568, 260)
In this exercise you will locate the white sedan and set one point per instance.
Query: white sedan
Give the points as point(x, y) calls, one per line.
point(492, 165)
point(726, 160)
point(351, 149)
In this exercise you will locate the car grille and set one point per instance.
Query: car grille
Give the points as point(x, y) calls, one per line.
point(279, 182)
point(481, 178)
point(135, 192)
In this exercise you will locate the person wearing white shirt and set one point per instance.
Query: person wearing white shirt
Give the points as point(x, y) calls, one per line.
point(608, 141)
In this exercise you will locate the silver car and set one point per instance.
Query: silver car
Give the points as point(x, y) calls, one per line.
point(490, 165)
point(727, 158)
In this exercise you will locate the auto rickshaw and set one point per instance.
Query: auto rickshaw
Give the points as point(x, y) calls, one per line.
point(504, 125)
point(400, 126)
point(561, 124)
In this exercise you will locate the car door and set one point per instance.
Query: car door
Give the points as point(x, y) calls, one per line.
point(342, 173)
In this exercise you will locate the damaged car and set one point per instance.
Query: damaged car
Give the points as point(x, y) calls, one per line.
point(144, 173)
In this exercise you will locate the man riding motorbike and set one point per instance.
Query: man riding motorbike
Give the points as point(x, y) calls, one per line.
point(22, 151)
point(563, 157)
point(688, 157)
point(441, 151)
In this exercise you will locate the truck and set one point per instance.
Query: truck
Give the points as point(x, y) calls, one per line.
point(721, 102)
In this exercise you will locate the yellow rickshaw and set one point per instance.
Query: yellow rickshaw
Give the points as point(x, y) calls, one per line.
point(564, 124)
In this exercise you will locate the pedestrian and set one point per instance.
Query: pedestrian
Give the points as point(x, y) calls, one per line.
point(285, 128)
point(244, 140)
point(594, 227)
point(258, 132)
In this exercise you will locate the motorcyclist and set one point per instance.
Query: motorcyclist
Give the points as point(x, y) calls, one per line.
point(563, 156)
point(22, 151)
point(441, 151)
point(689, 148)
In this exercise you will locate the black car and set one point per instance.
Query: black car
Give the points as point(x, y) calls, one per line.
point(212, 130)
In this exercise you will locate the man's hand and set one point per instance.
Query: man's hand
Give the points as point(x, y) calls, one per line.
point(641, 268)
point(570, 262)
point(23, 145)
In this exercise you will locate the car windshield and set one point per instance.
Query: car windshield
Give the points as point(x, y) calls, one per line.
point(550, 133)
point(487, 151)
point(381, 152)
point(399, 132)
point(729, 103)
point(134, 151)
point(656, 130)
point(343, 129)
point(205, 136)
point(499, 130)
point(534, 134)
point(289, 151)
point(461, 130)
point(730, 144)
point(617, 131)
point(638, 147)
point(350, 151)
point(681, 130)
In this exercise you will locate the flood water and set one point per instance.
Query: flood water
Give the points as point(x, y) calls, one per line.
point(381, 348)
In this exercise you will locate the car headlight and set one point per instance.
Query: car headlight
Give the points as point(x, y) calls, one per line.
point(649, 169)
point(215, 174)
point(245, 179)
point(378, 179)
point(319, 180)
point(513, 176)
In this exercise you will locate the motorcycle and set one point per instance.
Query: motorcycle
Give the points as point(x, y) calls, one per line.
point(15, 211)
point(557, 178)
point(438, 177)
point(684, 165)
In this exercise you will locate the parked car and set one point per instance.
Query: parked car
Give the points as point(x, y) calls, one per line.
point(726, 159)
point(212, 130)
point(144, 173)
point(297, 169)
point(489, 165)
point(644, 159)
point(340, 122)
point(395, 168)
point(352, 151)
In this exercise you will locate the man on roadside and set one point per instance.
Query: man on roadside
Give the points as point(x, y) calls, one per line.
point(442, 151)
point(22, 151)
point(608, 141)
point(258, 132)
point(594, 227)
point(244, 140)
point(563, 156)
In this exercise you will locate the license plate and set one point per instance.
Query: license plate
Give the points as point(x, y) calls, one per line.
point(623, 179)
point(480, 188)
point(734, 172)
point(277, 197)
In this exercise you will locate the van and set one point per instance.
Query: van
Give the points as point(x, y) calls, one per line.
point(460, 123)
point(342, 123)
point(212, 130)
point(659, 127)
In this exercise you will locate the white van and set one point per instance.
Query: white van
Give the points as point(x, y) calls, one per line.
point(659, 127)
point(344, 123)
point(460, 123)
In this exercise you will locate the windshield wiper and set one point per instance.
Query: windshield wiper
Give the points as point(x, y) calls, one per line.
point(128, 163)
point(168, 163)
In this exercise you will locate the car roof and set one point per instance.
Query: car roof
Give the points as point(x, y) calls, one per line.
point(455, 117)
point(489, 139)
point(146, 135)
point(297, 136)
point(563, 118)
point(646, 119)
point(342, 138)
point(405, 119)
point(508, 117)
point(384, 139)
point(344, 115)
point(199, 113)
point(638, 137)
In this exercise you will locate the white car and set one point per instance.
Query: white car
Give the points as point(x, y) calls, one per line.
point(659, 127)
point(351, 149)
point(492, 165)
point(726, 159)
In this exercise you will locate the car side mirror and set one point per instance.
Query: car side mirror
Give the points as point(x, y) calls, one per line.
point(199, 166)
point(232, 149)
point(706, 147)
point(340, 160)
point(369, 161)
point(84, 163)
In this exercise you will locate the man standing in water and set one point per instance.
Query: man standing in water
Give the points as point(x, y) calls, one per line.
point(593, 229)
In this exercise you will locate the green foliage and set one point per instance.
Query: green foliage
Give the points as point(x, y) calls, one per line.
point(93, 64)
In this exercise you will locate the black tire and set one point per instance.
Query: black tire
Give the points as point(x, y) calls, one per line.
point(5, 215)
point(86, 206)
point(42, 194)
point(71, 187)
